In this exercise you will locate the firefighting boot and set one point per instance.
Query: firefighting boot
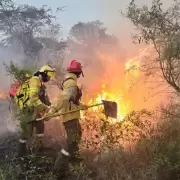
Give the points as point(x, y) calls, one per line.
point(22, 157)
point(61, 165)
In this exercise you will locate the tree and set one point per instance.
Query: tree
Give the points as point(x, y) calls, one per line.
point(91, 33)
point(160, 28)
point(17, 72)
point(23, 26)
point(87, 41)
point(87, 38)
point(34, 31)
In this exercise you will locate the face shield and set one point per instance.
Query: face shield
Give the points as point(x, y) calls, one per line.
point(51, 74)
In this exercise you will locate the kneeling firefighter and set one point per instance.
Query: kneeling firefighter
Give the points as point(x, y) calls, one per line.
point(68, 100)
point(33, 101)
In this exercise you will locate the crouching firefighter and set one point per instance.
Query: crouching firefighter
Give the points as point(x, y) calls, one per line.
point(33, 101)
point(68, 100)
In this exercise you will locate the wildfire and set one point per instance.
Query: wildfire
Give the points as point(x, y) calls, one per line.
point(114, 86)
point(118, 98)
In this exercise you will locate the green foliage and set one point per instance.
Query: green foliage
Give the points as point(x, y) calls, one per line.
point(91, 33)
point(26, 27)
point(17, 72)
point(134, 149)
point(159, 27)
point(60, 72)
point(86, 40)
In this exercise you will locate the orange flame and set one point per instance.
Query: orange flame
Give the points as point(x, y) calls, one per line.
point(122, 82)
point(3, 95)
point(115, 84)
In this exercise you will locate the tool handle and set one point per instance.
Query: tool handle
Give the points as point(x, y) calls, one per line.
point(95, 105)
point(59, 114)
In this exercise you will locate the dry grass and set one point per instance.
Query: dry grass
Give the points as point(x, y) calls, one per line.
point(131, 150)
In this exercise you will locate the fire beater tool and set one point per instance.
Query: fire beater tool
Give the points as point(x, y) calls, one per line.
point(110, 110)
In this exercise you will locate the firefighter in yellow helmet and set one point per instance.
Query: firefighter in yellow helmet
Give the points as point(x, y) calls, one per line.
point(37, 103)
point(69, 99)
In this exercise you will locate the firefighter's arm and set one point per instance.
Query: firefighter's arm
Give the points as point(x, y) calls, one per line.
point(34, 87)
point(63, 99)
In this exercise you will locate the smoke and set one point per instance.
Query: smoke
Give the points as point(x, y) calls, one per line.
point(8, 55)
point(121, 74)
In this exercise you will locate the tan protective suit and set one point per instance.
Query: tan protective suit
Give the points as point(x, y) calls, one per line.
point(64, 101)
point(68, 100)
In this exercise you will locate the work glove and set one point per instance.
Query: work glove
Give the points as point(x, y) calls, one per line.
point(41, 110)
point(83, 107)
point(49, 113)
point(53, 111)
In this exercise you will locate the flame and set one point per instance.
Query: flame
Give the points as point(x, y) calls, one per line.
point(132, 67)
point(116, 84)
point(3, 95)
point(110, 96)
point(112, 90)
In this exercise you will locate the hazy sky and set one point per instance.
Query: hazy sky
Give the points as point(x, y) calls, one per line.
point(88, 10)
point(108, 11)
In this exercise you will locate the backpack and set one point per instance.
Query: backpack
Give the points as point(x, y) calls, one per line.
point(13, 89)
point(22, 95)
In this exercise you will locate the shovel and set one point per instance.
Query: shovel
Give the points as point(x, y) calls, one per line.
point(110, 110)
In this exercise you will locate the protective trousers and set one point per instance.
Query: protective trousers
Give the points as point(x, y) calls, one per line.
point(74, 133)
point(27, 131)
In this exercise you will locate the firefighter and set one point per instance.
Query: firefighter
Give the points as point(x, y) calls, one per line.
point(69, 99)
point(33, 105)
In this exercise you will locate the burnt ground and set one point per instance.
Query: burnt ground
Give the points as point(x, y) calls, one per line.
point(8, 138)
point(40, 167)
point(8, 148)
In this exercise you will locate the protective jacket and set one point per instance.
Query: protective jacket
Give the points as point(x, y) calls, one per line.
point(69, 98)
point(38, 97)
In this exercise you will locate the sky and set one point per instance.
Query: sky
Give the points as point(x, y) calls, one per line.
point(107, 11)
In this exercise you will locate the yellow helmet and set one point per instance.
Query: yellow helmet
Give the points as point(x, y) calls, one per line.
point(50, 71)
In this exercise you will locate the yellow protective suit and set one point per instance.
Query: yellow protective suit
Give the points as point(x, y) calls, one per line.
point(68, 100)
point(36, 91)
point(36, 106)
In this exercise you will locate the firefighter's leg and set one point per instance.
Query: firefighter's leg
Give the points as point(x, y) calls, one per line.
point(73, 130)
point(26, 130)
point(61, 165)
point(39, 136)
point(74, 133)
point(26, 133)
point(62, 161)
